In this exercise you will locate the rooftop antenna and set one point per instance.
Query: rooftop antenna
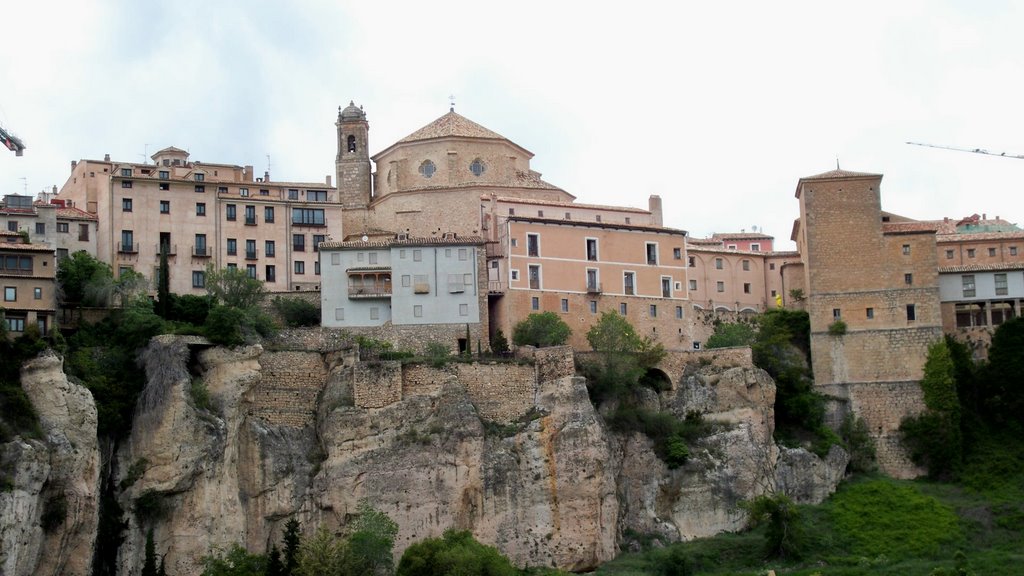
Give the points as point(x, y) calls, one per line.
point(24, 184)
point(451, 100)
point(837, 162)
point(268, 163)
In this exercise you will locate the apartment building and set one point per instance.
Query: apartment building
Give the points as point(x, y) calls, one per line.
point(27, 276)
point(64, 228)
point(205, 214)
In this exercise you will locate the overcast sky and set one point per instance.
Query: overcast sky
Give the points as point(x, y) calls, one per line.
point(719, 107)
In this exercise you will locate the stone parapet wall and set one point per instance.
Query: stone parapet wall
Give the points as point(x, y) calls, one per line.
point(500, 392)
point(309, 339)
point(289, 385)
point(674, 363)
point(416, 338)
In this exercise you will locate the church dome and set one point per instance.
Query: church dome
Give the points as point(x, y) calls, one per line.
point(351, 112)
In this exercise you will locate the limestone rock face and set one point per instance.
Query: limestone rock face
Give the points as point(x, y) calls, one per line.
point(294, 434)
point(58, 473)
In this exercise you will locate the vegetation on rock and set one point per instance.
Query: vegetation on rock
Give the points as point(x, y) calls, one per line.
point(540, 330)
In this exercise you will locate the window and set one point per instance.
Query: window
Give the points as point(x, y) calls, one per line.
point(1013, 250)
point(127, 241)
point(250, 215)
point(693, 284)
point(15, 324)
point(911, 313)
point(679, 312)
point(970, 252)
point(316, 195)
point(597, 218)
point(949, 254)
point(991, 252)
point(300, 267)
point(627, 219)
point(417, 311)
point(165, 206)
point(623, 308)
point(335, 259)
point(318, 238)
point(731, 246)
point(427, 169)
point(534, 303)
point(200, 247)
point(271, 273)
point(477, 167)
point(666, 286)
point(299, 242)
point(592, 283)
point(126, 184)
point(200, 176)
point(837, 314)
point(406, 280)
point(870, 313)
point(200, 209)
point(243, 192)
point(222, 189)
point(164, 174)
point(12, 226)
point(906, 249)
point(568, 216)
point(592, 249)
point(250, 271)
point(908, 279)
point(200, 189)
point(534, 276)
point(417, 255)
point(40, 228)
point(653, 310)
point(268, 214)
point(269, 248)
point(232, 266)
point(514, 242)
point(293, 194)
point(968, 285)
point(308, 216)
point(652, 253)
point(316, 267)
point(540, 213)
point(1001, 289)
point(746, 265)
point(83, 232)
point(629, 283)
point(719, 264)
point(126, 204)
point(691, 261)
point(677, 253)
point(463, 254)
point(232, 246)
point(62, 227)
point(339, 313)
point(37, 293)
point(755, 247)
point(198, 279)
point(565, 304)
point(533, 245)
point(746, 287)
point(250, 249)
point(232, 212)
point(515, 274)
point(771, 266)
point(720, 286)
point(10, 293)
point(592, 306)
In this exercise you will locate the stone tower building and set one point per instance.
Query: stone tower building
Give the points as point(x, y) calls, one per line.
point(353, 159)
point(879, 279)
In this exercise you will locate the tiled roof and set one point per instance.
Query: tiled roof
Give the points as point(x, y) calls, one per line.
point(25, 247)
point(416, 241)
point(559, 204)
point(742, 236)
point(606, 225)
point(521, 179)
point(838, 174)
point(908, 227)
point(784, 254)
point(68, 213)
point(703, 242)
point(956, 238)
point(451, 124)
point(720, 250)
point(982, 267)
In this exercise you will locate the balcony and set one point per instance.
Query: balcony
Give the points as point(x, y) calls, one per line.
point(250, 220)
point(369, 292)
point(367, 285)
point(200, 252)
point(172, 249)
point(496, 287)
point(130, 248)
point(629, 290)
point(534, 283)
point(250, 255)
point(594, 288)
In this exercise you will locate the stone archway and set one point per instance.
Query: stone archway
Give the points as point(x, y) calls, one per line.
point(657, 379)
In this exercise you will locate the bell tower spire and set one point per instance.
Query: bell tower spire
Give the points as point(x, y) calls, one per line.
point(353, 160)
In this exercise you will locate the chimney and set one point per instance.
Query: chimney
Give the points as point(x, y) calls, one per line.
point(247, 174)
point(266, 175)
point(73, 164)
point(106, 157)
point(329, 181)
point(54, 188)
point(654, 206)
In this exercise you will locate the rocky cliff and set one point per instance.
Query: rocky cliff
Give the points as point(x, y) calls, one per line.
point(227, 445)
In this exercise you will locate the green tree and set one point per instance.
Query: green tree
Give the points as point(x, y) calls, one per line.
point(621, 357)
point(541, 329)
point(784, 534)
point(1001, 384)
point(163, 289)
point(297, 312)
point(934, 437)
point(236, 561)
point(274, 565)
point(149, 561)
point(731, 334)
point(455, 553)
point(76, 273)
point(370, 543)
point(499, 343)
point(291, 546)
point(321, 554)
point(233, 287)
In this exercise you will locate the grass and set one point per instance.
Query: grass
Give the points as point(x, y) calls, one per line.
point(874, 525)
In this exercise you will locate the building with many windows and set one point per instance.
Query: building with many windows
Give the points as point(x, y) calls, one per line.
point(51, 222)
point(205, 214)
point(27, 273)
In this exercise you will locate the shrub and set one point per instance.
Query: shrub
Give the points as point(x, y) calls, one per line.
point(191, 308)
point(437, 354)
point(456, 552)
point(837, 328)
point(784, 536)
point(540, 330)
point(200, 394)
point(934, 437)
point(499, 344)
point(297, 312)
point(233, 287)
point(859, 444)
point(731, 334)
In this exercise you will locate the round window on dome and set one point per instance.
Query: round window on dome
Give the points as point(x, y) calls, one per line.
point(477, 167)
point(427, 168)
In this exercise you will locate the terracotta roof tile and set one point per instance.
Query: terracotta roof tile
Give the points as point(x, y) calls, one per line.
point(25, 247)
point(970, 237)
point(742, 236)
point(606, 225)
point(68, 213)
point(839, 174)
point(512, 200)
point(415, 241)
point(982, 267)
point(451, 124)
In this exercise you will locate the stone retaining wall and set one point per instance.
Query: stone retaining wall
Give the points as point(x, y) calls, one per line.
point(289, 385)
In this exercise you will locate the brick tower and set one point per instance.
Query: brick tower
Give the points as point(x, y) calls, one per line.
point(353, 160)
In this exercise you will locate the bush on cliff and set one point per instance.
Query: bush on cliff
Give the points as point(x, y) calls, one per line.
point(543, 329)
point(456, 552)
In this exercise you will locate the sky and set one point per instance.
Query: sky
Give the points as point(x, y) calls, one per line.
point(718, 107)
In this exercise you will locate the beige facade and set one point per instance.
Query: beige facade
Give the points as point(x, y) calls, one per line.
point(50, 222)
point(27, 273)
point(205, 214)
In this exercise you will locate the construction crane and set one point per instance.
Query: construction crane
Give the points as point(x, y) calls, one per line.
point(12, 142)
point(975, 150)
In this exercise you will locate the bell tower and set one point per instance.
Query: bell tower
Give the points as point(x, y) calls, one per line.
point(353, 161)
